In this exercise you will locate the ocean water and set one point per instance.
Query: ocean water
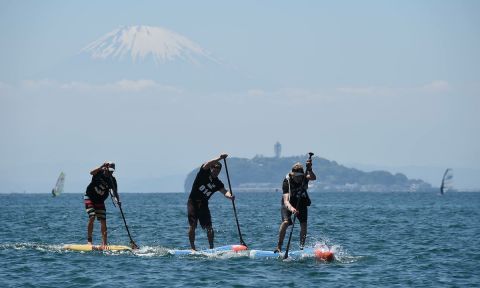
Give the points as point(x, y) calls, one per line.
point(379, 239)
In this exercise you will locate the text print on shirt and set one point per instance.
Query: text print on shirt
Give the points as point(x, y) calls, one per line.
point(207, 191)
point(101, 189)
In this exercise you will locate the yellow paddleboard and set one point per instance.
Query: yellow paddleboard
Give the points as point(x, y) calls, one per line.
point(87, 247)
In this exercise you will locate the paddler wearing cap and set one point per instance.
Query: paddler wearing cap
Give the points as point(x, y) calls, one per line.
point(295, 185)
point(97, 192)
point(205, 184)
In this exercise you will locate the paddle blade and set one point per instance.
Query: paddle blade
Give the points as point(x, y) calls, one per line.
point(244, 244)
point(134, 245)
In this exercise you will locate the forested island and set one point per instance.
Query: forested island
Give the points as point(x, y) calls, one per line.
point(265, 174)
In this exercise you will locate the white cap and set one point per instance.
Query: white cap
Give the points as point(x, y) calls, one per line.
point(111, 166)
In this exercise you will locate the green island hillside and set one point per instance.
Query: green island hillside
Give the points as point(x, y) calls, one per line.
point(265, 174)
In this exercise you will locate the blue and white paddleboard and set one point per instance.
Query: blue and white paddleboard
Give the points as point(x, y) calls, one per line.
point(221, 249)
point(318, 253)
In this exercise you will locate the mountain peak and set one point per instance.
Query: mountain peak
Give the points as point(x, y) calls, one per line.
point(140, 42)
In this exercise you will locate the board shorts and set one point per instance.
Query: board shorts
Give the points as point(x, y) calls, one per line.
point(198, 211)
point(287, 215)
point(95, 209)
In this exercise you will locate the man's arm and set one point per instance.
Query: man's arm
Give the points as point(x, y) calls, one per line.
point(98, 169)
point(309, 174)
point(288, 205)
point(227, 194)
point(115, 189)
point(207, 165)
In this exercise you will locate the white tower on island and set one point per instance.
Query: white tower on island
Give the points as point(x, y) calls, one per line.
point(277, 149)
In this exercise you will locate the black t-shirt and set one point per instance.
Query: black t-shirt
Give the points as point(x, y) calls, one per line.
point(98, 189)
point(297, 190)
point(204, 185)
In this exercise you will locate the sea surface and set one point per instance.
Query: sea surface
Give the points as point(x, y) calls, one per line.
point(379, 240)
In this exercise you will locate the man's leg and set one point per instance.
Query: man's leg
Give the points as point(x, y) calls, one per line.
point(210, 236)
point(303, 234)
point(281, 235)
point(103, 223)
point(91, 220)
point(205, 219)
point(191, 236)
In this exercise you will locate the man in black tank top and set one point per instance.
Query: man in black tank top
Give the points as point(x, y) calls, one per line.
point(96, 193)
point(294, 188)
point(205, 184)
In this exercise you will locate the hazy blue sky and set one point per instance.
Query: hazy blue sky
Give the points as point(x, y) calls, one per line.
point(389, 84)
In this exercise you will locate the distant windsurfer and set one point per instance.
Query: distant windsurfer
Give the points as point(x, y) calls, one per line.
point(59, 185)
point(295, 185)
point(97, 192)
point(446, 181)
point(205, 184)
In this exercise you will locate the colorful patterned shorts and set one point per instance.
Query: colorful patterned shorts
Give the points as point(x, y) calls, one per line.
point(95, 209)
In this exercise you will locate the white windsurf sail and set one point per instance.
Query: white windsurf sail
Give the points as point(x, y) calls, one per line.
point(447, 181)
point(58, 189)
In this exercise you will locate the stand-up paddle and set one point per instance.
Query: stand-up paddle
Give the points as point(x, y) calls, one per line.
point(233, 203)
point(132, 243)
point(310, 154)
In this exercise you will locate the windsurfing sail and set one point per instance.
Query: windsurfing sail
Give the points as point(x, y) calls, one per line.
point(59, 186)
point(447, 181)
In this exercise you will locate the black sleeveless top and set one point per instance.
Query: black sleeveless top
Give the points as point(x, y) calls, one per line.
point(204, 186)
point(296, 190)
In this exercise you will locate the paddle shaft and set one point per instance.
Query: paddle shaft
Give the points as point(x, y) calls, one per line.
point(310, 154)
point(233, 203)
point(132, 243)
point(291, 232)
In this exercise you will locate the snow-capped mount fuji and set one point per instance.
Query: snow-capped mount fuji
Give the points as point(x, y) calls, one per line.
point(153, 54)
point(140, 42)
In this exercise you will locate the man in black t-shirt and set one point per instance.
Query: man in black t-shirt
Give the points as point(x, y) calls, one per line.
point(206, 183)
point(97, 192)
point(294, 188)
